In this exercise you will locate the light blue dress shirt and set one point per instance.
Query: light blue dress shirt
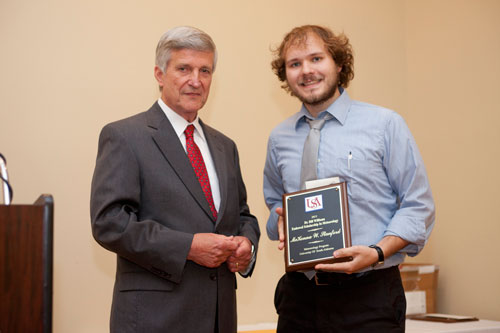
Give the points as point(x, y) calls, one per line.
point(388, 189)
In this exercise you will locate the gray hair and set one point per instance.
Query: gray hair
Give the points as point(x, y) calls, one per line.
point(183, 37)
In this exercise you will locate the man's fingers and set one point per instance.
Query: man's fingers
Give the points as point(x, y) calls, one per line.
point(211, 250)
point(340, 253)
point(230, 245)
point(279, 211)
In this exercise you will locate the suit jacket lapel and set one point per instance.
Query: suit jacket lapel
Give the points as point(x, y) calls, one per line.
point(168, 142)
point(220, 161)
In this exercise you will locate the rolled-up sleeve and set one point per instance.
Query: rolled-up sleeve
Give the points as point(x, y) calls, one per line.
point(414, 219)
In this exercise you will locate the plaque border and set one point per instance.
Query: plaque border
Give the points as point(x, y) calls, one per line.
point(346, 227)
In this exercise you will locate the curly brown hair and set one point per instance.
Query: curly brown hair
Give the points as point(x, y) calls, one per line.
point(338, 46)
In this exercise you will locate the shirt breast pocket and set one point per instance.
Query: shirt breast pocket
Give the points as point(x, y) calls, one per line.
point(359, 175)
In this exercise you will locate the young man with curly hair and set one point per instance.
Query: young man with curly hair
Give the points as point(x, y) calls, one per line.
point(390, 202)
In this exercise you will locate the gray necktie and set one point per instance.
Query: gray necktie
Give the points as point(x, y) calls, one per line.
point(309, 166)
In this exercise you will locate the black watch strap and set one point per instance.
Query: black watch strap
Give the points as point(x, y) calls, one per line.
point(381, 257)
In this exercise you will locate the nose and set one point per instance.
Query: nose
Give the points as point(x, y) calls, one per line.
point(194, 80)
point(307, 67)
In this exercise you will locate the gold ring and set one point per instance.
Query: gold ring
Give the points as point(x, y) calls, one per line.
point(237, 264)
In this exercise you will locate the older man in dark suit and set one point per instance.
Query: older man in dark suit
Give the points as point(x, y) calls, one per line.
point(168, 198)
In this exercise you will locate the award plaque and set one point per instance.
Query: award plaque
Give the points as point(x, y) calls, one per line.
point(316, 223)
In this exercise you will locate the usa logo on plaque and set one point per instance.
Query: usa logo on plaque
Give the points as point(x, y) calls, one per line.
point(314, 203)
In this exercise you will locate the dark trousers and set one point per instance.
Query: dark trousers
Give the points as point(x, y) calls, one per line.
point(365, 302)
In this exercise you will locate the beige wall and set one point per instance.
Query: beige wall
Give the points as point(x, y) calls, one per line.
point(68, 67)
point(453, 52)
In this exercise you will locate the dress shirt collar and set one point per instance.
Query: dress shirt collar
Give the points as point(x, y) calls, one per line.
point(338, 109)
point(178, 123)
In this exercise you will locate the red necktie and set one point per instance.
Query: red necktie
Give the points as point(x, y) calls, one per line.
point(199, 167)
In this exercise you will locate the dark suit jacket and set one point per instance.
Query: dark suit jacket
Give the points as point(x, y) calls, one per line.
point(146, 205)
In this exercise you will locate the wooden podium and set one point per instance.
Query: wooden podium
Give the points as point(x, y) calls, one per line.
point(26, 257)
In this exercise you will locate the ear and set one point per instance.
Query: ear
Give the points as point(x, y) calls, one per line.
point(339, 69)
point(159, 76)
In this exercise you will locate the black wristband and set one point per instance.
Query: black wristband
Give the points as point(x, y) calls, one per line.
point(381, 257)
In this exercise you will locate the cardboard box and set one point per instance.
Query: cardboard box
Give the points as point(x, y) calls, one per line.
point(417, 280)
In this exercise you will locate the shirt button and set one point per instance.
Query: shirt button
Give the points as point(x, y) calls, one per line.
point(213, 277)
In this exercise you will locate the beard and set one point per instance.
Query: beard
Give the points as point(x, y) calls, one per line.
point(313, 99)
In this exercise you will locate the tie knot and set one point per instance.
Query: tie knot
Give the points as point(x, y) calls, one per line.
point(189, 131)
point(316, 124)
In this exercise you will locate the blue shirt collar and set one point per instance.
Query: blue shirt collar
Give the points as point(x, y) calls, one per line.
point(338, 109)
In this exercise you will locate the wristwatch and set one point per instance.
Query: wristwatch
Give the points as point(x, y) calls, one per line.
point(380, 253)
